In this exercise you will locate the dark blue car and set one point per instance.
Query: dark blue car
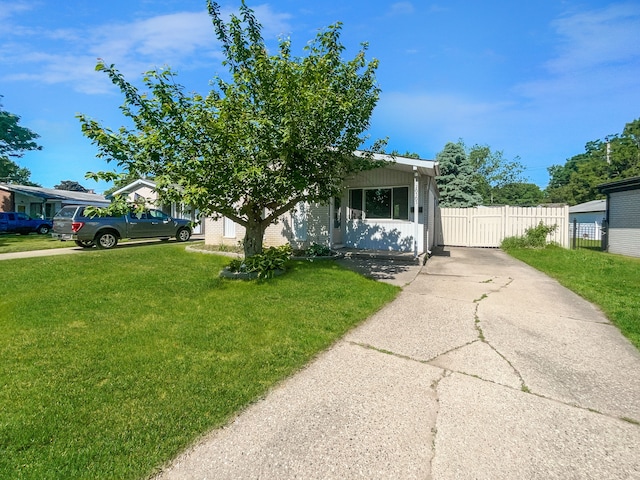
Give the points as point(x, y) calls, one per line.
point(16, 222)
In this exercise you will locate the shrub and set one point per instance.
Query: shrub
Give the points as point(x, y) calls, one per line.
point(317, 250)
point(265, 264)
point(534, 237)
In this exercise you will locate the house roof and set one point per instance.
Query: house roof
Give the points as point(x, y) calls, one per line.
point(424, 167)
point(66, 196)
point(141, 182)
point(632, 183)
point(592, 206)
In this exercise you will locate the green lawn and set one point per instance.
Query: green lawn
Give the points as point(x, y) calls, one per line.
point(610, 281)
point(10, 242)
point(114, 361)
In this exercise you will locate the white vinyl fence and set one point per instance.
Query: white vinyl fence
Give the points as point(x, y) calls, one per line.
point(488, 226)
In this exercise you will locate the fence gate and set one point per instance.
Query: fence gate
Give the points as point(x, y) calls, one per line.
point(588, 235)
point(488, 226)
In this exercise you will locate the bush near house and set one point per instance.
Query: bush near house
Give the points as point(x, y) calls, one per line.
point(534, 237)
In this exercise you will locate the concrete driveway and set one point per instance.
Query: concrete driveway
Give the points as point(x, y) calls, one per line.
point(482, 368)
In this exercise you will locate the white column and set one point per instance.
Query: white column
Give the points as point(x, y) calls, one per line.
point(416, 208)
point(331, 214)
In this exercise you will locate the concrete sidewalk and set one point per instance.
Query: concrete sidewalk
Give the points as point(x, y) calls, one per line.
point(75, 249)
point(482, 368)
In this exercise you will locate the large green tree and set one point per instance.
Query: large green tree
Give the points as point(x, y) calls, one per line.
point(279, 130)
point(613, 158)
point(14, 141)
point(493, 171)
point(518, 194)
point(457, 178)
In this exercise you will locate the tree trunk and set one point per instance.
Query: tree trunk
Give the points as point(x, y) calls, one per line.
point(253, 238)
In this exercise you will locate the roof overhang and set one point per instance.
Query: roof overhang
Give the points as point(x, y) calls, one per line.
point(425, 167)
point(133, 186)
point(632, 183)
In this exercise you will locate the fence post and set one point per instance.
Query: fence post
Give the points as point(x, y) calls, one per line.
point(575, 233)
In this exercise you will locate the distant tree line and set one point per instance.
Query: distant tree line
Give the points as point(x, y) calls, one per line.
point(615, 157)
point(481, 176)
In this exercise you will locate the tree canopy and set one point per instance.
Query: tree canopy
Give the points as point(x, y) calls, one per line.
point(479, 175)
point(14, 141)
point(518, 194)
point(70, 185)
point(281, 130)
point(613, 158)
point(494, 172)
point(457, 178)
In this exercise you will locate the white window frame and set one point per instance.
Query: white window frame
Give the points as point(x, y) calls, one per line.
point(364, 204)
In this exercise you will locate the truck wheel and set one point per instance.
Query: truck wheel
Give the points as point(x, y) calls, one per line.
point(106, 240)
point(84, 243)
point(43, 229)
point(183, 235)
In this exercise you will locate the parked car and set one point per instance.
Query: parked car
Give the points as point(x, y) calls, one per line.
point(16, 222)
point(70, 223)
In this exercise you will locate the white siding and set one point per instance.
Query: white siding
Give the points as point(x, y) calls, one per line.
point(384, 234)
point(624, 223)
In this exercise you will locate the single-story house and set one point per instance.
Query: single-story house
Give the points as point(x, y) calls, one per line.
point(390, 208)
point(145, 189)
point(623, 216)
point(588, 218)
point(43, 202)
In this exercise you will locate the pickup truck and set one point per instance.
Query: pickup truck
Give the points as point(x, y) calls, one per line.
point(70, 223)
point(16, 222)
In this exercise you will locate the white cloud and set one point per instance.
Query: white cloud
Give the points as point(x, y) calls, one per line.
point(401, 8)
point(183, 40)
point(598, 52)
point(8, 9)
point(597, 38)
point(440, 115)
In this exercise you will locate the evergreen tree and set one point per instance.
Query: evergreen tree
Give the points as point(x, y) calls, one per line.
point(456, 182)
point(70, 185)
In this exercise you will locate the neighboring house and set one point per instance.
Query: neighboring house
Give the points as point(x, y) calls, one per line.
point(43, 202)
point(145, 189)
point(588, 219)
point(389, 208)
point(623, 216)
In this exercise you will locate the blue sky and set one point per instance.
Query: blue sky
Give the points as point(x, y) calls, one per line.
point(534, 79)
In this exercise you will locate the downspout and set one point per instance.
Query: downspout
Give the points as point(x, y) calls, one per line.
point(426, 213)
point(416, 208)
point(606, 230)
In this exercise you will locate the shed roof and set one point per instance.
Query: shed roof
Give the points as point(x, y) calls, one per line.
point(632, 183)
point(592, 206)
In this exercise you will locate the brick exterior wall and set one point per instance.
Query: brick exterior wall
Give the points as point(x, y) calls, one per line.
point(6, 203)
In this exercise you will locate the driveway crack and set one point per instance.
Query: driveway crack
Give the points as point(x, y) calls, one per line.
point(482, 338)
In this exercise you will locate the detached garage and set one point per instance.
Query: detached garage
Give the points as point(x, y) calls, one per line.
point(623, 216)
